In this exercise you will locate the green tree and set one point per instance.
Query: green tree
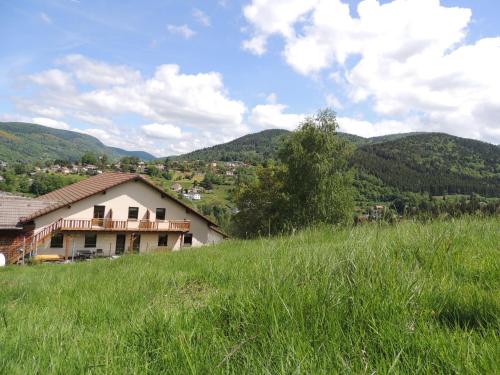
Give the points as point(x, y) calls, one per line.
point(89, 158)
point(313, 184)
point(318, 181)
point(261, 204)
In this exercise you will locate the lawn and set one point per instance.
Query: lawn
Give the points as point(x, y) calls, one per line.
point(411, 298)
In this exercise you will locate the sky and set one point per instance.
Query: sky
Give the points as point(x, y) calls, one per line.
point(169, 76)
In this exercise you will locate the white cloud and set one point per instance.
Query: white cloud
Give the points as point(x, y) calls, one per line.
point(97, 73)
point(53, 79)
point(183, 30)
point(267, 116)
point(406, 57)
point(201, 17)
point(333, 102)
point(369, 129)
point(163, 131)
point(45, 18)
point(169, 100)
point(51, 123)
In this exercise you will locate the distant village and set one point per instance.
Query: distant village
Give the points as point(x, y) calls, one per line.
point(176, 171)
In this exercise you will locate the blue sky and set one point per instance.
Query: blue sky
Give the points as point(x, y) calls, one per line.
point(171, 76)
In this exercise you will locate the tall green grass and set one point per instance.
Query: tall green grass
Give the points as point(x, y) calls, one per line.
point(411, 298)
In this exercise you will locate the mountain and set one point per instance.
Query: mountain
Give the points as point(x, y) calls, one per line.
point(433, 162)
point(255, 147)
point(24, 142)
point(416, 162)
point(252, 147)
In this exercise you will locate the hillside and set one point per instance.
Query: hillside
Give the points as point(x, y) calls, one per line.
point(264, 145)
point(23, 142)
point(433, 162)
point(251, 147)
point(419, 162)
point(406, 299)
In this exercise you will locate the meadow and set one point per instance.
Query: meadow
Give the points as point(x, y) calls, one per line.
point(408, 298)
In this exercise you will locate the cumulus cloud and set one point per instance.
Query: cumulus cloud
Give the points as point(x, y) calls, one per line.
point(90, 92)
point(405, 57)
point(183, 30)
point(163, 131)
point(51, 123)
point(97, 73)
point(267, 116)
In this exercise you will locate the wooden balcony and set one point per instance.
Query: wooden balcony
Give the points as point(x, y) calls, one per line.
point(110, 225)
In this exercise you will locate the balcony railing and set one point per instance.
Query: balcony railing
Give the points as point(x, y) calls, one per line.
point(125, 225)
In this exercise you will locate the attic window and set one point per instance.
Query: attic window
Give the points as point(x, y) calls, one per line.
point(133, 213)
point(160, 214)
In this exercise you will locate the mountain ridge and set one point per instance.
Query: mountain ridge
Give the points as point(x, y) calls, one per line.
point(28, 142)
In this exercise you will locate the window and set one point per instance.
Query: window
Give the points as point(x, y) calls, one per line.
point(90, 239)
point(99, 212)
point(133, 213)
point(57, 241)
point(188, 239)
point(160, 214)
point(162, 239)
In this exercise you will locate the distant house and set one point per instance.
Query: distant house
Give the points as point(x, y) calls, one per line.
point(176, 187)
point(108, 214)
point(229, 173)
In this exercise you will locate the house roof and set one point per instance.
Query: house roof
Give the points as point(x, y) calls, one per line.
point(13, 207)
point(95, 185)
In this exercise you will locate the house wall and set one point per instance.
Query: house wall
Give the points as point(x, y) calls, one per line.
point(107, 242)
point(133, 194)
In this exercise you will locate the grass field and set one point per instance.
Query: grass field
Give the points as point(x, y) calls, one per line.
point(412, 298)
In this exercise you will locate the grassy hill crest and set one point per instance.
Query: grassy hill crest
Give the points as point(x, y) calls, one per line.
point(26, 142)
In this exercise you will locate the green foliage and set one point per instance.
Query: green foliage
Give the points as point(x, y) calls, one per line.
point(408, 299)
point(317, 181)
point(23, 142)
point(313, 184)
point(434, 163)
point(251, 148)
point(262, 204)
point(89, 158)
point(45, 183)
point(220, 214)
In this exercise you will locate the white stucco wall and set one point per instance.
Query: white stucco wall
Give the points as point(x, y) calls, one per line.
point(119, 199)
point(107, 242)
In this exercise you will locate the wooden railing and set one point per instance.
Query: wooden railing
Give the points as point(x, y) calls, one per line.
point(30, 243)
point(123, 225)
point(26, 246)
point(179, 225)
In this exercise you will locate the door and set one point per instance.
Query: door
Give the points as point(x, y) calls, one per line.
point(136, 242)
point(120, 244)
point(98, 219)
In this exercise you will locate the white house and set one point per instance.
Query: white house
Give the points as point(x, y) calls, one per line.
point(110, 213)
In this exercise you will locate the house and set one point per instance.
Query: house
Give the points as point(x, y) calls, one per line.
point(176, 187)
point(107, 214)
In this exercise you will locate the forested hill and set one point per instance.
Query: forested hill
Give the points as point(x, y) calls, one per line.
point(433, 162)
point(24, 142)
point(251, 147)
point(255, 147)
point(420, 162)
